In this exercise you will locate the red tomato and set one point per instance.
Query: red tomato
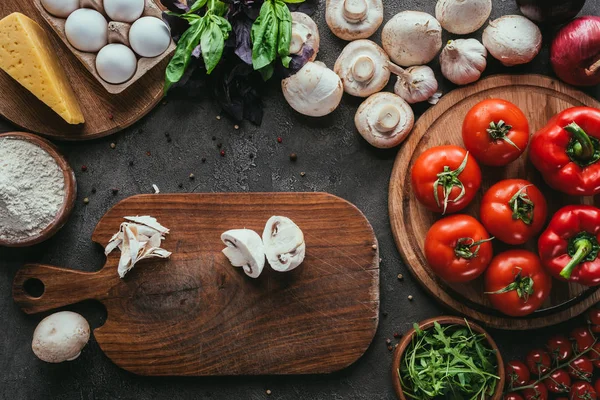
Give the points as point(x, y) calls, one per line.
point(593, 316)
point(440, 175)
point(516, 282)
point(582, 391)
point(517, 374)
point(513, 211)
point(595, 328)
point(597, 386)
point(538, 392)
point(559, 348)
point(512, 396)
point(458, 248)
point(594, 355)
point(583, 338)
point(538, 362)
point(581, 368)
point(559, 381)
point(496, 132)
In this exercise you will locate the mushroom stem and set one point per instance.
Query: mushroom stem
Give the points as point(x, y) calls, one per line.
point(296, 43)
point(388, 118)
point(355, 10)
point(363, 69)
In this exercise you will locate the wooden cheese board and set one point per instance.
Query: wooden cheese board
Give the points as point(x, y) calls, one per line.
point(540, 98)
point(104, 113)
point(194, 314)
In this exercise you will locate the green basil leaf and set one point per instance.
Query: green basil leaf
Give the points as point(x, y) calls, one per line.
point(267, 72)
point(264, 35)
point(285, 32)
point(218, 7)
point(181, 59)
point(188, 17)
point(212, 44)
point(294, 1)
point(197, 5)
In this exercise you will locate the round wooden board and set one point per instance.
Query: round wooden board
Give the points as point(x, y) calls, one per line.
point(104, 113)
point(540, 98)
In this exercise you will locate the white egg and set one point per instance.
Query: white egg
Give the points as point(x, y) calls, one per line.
point(60, 8)
point(116, 63)
point(87, 30)
point(124, 10)
point(149, 37)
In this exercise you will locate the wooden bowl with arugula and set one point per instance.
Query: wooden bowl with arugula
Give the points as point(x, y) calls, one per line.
point(445, 357)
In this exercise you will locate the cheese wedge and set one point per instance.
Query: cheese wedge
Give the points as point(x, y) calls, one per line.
point(26, 54)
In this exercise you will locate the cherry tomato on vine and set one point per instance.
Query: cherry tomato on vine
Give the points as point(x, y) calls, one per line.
point(582, 391)
point(516, 283)
point(597, 385)
point(559, 347)
point(512, 396)
point(581, 368)
point(496, 132)
point(583, 338)
point(538, 362)
point(458, 248)
point(513, 211)
point(517, 374)
point(445, 178)
point(594, 355)
point(562, 398)
point(595, 328)
point(593, 316)
point(559, 381)
point(538, 392)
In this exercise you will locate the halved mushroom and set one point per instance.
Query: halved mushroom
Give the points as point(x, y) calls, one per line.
point(363, 68)
point(60, 337)
point(354, 19)
point(315, 90)
point(284, 244)
point(245, 249)
point(384, 120)
point(305, 35)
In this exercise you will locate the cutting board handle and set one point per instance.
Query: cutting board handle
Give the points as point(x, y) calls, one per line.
point(38, 288)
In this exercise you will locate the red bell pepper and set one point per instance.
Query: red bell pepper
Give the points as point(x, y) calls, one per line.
point(569, 246)
point(567, 151)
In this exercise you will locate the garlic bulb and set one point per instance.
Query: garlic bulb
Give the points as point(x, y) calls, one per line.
point(415, 84)
point(513, 40)
point(463, 61)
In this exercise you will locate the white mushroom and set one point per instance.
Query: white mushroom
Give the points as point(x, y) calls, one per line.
point(412, 38)
point(305, 35)
point(416, 84)
point(60, 337)
point(363, 68)
point(462, 16)
point(354, 19)
point(315, 90)
point(284, 244)
point(245, 249)
point(384, 120)
point(463, 61)
point(512, 39)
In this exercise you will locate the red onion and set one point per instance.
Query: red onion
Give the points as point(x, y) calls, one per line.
point(575, 52)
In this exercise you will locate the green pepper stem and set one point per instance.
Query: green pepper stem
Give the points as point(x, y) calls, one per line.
point(584, 148)
point(584, 247)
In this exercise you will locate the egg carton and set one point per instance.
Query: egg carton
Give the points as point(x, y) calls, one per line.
point(118, 32)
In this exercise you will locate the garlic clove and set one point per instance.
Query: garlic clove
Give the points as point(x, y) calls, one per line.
point(462, 16)
point(284, 244)
point(245, 249)
point(513, 40)
point(415, 84)
point(463, 61)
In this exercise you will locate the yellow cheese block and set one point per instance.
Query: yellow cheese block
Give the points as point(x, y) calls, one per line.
point(26, 54)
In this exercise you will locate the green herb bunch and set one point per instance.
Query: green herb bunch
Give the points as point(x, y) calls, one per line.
point(448, 362)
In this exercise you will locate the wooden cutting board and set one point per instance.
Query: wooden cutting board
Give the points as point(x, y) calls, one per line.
point(195, 314)
point(540, 98)
point(104, 113)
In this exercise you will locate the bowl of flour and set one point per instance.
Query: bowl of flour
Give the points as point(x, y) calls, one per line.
point(37, 189)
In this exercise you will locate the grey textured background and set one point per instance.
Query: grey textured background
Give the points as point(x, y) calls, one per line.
point(335, 159)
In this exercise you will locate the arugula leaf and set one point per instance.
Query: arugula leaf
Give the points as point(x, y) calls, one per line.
point(285, 32)
point(181, 59)
point(197, 6)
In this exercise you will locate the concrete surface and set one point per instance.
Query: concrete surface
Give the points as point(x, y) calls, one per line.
point(335, 159)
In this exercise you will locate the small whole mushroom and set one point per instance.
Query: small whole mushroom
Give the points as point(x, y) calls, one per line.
point(315, 90)
point(463, 61)
point(284, 244)
point(245, 249)
point(363, 68)
point(412, 38)
point(513, 40)
point(60, 337)
point(416, 84)
point(384, 120)
point(305, 35)
point(354, 19)
point(462, 16)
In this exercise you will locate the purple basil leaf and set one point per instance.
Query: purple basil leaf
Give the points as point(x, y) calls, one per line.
point(176, 25)
point(242, 26)
point(176, 6)
point(298, 61)
point(197, 52)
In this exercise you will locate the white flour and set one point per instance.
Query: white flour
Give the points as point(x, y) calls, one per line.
point(32, 189)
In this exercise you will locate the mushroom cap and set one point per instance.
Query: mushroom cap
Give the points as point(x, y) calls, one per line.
point(304, 33)
point(284, 244)
point(315, 90)
point(60, 337)
point(363, 68)
point(245, 249)
point(512, 39)
point(384, 120)
point(354, 19)
point(462, 16)
point(412, 38)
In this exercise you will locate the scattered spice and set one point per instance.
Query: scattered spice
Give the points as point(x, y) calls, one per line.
point(131, 163)
point(180, 185)
point(86, 200)
point(303, 174)
point(222, 153)
point(148, 154)
point(115, 191)
point(219, 145)
point(93, 190)
point(400, 277)
point(397, 335)
point(192, 177)
point(214, 138)
point(410, 298)
point(388, 341)
point(236, 127)
point(279, 140)
point(84, 168)
point(293, 157)
point(390, 348)
point(269, 392)
point(384, 314)
point(374, 247)
point(203, 159)
point(251, 155)
point(219, 118)
point(111, 117)
point(113, 145)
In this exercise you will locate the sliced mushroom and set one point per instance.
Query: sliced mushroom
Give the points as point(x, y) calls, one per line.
point(245, 249)
point(60, 337)
point(384, 120)
point(363, 68)
point(284, 244)
point(315, 90)
point(354, 19)
point(305, 35)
